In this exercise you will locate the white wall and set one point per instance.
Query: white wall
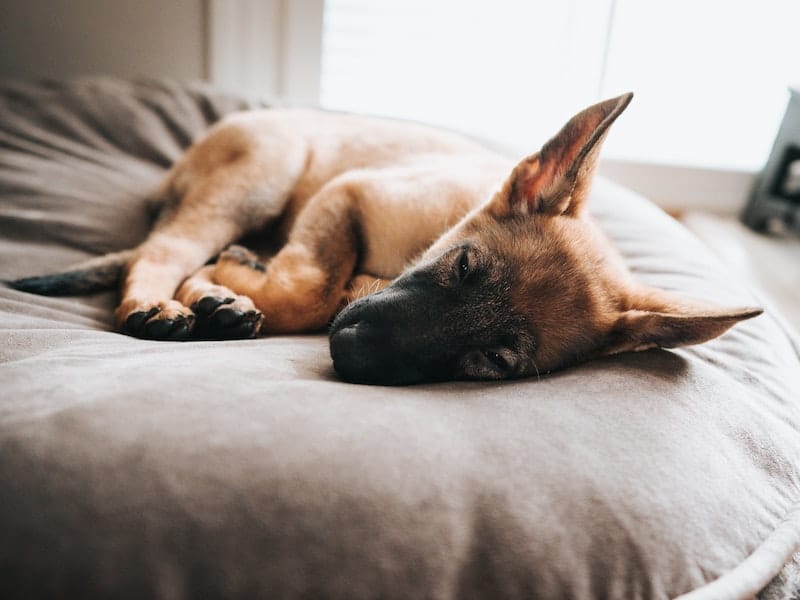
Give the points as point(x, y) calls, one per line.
point(125, 38)
point(266, 48)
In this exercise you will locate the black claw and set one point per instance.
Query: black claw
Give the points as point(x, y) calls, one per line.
point(159, 328)
point(207, 305)
point(134, 322)
point(180, 331)
point(243, 257)
point(245, 330)
point(227, 318)
point(217, 321)
point(175, 329)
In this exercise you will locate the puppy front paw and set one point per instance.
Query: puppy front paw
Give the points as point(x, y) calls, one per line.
point(231, 318)
point(167, 320)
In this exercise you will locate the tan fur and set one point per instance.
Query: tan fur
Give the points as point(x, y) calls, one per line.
point(395, 185)
point(352, 202)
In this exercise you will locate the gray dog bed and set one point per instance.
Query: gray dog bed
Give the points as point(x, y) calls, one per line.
point(140, 469)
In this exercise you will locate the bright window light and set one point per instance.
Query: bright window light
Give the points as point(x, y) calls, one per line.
point(506, 70)
point(710, 76)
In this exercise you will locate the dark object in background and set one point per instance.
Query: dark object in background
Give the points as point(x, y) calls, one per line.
point(775, 201)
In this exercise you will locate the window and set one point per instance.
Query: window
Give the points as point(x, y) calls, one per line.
point(711, 78)
point(710, 75)
point(506, 70)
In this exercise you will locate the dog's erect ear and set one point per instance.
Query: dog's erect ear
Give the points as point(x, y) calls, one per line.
point(664, 322)
point(556, 180)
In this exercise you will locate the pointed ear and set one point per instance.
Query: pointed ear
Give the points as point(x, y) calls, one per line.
point(672, 323)
point(556, 179)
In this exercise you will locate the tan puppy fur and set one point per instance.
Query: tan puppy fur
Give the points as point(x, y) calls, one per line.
point(348, 204)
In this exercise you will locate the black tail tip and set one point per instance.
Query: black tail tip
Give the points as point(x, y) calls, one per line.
point(73, 283)
point(46, 285)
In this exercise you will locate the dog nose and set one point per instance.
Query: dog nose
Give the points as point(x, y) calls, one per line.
point(348, 355)
point(362, 353)
point(356, 353)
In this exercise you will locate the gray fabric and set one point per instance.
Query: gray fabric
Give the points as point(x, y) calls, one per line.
point(133, 469)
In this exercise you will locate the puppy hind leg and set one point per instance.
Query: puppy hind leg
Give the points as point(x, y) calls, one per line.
point(303, 286)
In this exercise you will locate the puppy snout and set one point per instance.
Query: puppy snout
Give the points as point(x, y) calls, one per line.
point(359, 353)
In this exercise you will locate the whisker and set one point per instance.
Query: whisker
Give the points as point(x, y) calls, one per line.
point(538, 377)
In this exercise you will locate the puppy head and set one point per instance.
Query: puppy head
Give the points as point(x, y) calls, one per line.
point(525, 284)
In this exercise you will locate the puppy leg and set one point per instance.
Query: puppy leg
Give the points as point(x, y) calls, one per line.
point(228, 185)
point(220, 313)
point(175, 249)
point(303, 286)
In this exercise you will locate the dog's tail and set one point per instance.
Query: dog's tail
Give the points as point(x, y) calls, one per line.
point(95, 275)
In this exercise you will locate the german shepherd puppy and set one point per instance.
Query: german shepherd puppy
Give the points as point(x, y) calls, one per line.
point(441, 260)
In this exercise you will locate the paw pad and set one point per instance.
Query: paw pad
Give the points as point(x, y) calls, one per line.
point(153, 325)
point(224, 319)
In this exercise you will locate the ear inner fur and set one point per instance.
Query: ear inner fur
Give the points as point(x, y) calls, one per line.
point(556, 179)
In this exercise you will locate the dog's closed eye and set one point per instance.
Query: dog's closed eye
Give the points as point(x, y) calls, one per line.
point(497, 359)
point(489, 363)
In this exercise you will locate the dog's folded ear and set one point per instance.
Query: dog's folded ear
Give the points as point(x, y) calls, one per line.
point(556, 180)
point(665, 322)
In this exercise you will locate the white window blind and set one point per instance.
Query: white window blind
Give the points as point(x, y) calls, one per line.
point(711, 78)
point(507, 70)
point(710, 75)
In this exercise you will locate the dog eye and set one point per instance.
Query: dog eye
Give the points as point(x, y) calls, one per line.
point(497, 359)
point(463, 264)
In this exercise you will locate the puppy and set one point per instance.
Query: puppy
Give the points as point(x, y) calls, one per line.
point(441, 259)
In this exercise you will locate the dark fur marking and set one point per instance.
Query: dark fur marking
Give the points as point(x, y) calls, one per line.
point(71, 283)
